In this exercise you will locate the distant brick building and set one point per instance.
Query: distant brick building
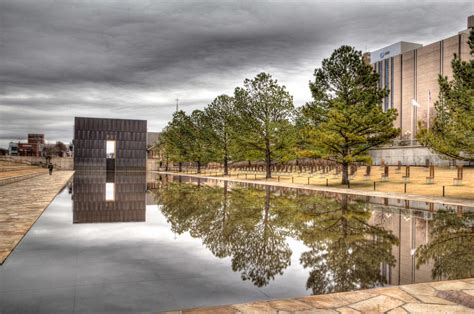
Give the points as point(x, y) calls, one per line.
point(25, 149)
point(33, 147)
point(36, 141)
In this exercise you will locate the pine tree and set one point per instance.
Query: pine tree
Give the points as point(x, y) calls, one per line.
point(345, 118)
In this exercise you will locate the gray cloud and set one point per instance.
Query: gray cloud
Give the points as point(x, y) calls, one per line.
point(131, 59)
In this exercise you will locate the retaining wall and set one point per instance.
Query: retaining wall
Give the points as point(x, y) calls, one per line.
point(410, 155)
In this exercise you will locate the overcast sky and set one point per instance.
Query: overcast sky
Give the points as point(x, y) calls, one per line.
point(132, 59)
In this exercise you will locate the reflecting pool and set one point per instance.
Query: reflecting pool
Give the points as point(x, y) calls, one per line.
point(142, 242)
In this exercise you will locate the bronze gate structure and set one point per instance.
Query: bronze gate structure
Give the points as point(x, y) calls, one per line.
point(92, 137)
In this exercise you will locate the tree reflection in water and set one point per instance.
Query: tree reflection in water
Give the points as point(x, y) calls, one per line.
point(251, 226)
point(346, 253)
point(244, 224)
point(451, 246)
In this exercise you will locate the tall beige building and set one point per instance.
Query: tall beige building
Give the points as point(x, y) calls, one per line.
point(410, 71)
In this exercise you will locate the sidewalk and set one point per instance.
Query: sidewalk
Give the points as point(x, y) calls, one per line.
point(22, 203)
point(455, 296)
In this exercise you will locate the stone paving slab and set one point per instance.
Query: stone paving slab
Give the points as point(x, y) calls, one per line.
point(454, 296)
point(21, 204)
point(412, 197)
point(16, 178)
point(21, 172)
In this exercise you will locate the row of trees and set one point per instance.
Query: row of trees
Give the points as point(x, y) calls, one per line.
point(260, 122)
point(254, 124)
point(58, 149)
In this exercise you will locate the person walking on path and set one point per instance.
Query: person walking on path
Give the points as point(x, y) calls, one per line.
point(50, 168)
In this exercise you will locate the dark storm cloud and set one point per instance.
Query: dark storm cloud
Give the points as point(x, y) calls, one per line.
point(131, 59)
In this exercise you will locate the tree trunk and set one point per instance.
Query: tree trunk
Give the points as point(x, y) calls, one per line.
point(180, 166)
point(224, 207)
point(226, 165)
point(268, 160)
point(344, 222)
point(345, 173)
point(267, 212)
point(198, 166)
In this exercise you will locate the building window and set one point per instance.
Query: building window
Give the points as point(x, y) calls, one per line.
point(110, 149)
point(391, 82)
point(386, 81)
point(380, 74)
point(110, 191)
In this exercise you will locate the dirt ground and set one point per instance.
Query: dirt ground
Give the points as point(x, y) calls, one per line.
point(417, 183)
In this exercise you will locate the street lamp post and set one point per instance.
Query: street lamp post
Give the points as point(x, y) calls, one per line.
point(414, 106)
point(428, 111)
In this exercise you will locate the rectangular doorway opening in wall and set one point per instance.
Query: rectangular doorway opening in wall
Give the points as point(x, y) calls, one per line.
point(110, 191)
point(110, 149)
point(110, 153)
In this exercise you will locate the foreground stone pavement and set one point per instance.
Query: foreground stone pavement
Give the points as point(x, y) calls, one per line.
point(454, 296)
point(21, 204)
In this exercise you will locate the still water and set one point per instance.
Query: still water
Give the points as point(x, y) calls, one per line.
point(143, 242)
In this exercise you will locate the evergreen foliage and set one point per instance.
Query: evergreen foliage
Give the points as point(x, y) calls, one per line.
point(345, 118)
point(451, 247)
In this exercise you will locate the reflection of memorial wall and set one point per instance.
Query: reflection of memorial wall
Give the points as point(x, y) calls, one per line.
point(411, 227)
point(109, 197)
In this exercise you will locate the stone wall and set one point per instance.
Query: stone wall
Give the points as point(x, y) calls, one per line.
point(409, 155)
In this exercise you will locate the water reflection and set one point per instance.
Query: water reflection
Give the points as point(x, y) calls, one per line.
point(451, 247)
point(351, 242)
point(109, 197)
point(346, 252)
point(244, 224)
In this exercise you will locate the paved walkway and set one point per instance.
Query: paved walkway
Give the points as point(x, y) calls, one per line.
point(455, 296)
point(21, 205)
point(412, 197)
